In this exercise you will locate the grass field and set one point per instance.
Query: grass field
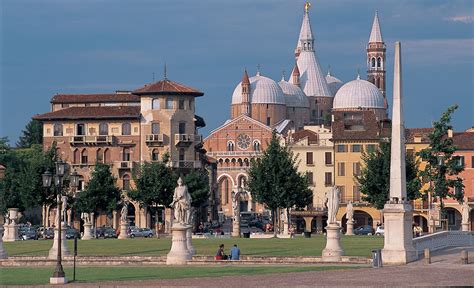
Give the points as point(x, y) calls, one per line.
point(352, 245)
point(39, 276)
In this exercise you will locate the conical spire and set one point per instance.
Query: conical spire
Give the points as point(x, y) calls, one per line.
point(376, 33)
point(306, 39)
point(295, 76)
point(245, 79)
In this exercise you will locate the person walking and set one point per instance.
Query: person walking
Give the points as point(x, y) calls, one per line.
point(235, 253)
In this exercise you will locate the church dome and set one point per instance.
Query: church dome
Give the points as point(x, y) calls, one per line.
point(263, 90)
point(358, 94)
point(333, 83)
point(294, 96)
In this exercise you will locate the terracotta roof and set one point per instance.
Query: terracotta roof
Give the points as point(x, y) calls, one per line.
point(245, 79)
point(464, 140)
point(359, 125)
point(95, 98)
point(411, 133)
point(167, 87)
point(301, 134)
point(128, 112)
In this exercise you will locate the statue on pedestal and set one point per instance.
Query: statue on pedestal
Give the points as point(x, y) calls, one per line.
point(350, 212)
point(235, 205)
point(465, 212)
point(333, 197)
point(124, 212)
point(86, 217)
point(181, 203)
point(63, 207)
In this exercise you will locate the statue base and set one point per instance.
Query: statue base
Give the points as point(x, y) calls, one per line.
point(11, 233)
point(3, 253)
point(398, 239)
point(123, 231)
point(465, 227)
point(53, 252)
point(350, 228)
point(179, 254)
point(189, 241)
point(333, 251)
point(87, 232)
point(57, 280)
point(235, 229)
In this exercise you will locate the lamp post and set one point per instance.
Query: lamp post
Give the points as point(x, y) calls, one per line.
point(59, 275)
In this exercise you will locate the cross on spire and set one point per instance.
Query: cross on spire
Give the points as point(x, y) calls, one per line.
point(165, 76)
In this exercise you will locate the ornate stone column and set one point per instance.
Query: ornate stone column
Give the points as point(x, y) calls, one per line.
point(53, 252)
point(333, 251)
point(11, 231)
point(350, 228)
point(179, 253)
point(87, 232)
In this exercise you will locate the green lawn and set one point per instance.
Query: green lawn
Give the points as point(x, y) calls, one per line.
point(352, 245)
point(39, 276)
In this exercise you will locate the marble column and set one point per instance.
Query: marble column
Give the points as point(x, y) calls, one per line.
point(123, 230)
point(179, 253)
point(87, 232)
point(398, 213)
point(333, 251)
point(53, 252)
point(350, 228)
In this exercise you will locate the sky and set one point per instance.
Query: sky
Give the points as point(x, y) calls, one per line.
point(84, 46)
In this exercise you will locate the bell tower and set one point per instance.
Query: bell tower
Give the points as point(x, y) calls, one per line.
point(376, 50)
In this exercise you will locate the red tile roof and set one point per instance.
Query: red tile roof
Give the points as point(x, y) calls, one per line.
point(359, 125)
point(411, 133)
point(167, 87)
point(111, 112)
point(95, 98)
point(301, 134)
point(464, 140)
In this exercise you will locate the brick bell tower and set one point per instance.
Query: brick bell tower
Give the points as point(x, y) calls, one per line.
point(376, 58)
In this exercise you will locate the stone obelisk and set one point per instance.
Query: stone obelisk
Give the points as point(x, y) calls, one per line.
point(398, 213)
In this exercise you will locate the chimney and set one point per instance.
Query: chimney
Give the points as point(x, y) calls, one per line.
point(450, 133)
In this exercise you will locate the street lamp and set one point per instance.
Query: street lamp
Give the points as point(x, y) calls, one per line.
point(47, 178)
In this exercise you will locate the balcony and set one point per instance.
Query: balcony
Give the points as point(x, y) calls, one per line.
point(124, 165)
point(154, 139)
point(186, 164)
point(91, 140)
point(187, 139)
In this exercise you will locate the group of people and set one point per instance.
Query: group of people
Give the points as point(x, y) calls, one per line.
point(234, 253)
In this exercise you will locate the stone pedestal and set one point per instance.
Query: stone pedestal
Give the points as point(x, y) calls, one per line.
point(350, 228)
point(465, 226)
point(53, 252)
point(235, 228)
point(11, 233)
point(87, 232)
point(398, 239)
point(333, 250)
point(3, 253)
point(123, 230)
point(57, 280)
point(179, 254)
point(189, 241)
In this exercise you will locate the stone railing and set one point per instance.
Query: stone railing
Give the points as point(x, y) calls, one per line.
point(441, 240)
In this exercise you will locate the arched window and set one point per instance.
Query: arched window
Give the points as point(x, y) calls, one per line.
point(126, 182)
point(99, 156)
point(256, 145)
point(155, 104)
point(373, 62)
point(379, 62)
point(77, 156)
point(84, 156)
point(230, 146)
point(106, 155)
point(242, 181)
point(126, 129)
point(58, 129)
point(224, 190)
point(103, 129)
point(126, 154)
point(154, 155)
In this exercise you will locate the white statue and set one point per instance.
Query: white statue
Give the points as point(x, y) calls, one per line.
point(124, 212)
point(181, 203)
point(332, 197)
point(86, 217)
point(465, 212)
point(7, 219)
point(235, 204)
point(350, 212)
point(63, 207)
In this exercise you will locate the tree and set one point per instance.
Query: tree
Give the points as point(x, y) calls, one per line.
point(33, 134)
point(198, 186)
point(374, 179)
point(101, 193)
point(275, 181)
point(154, 182)
point(442, 167)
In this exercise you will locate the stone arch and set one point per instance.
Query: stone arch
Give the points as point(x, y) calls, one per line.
point(240, 177)
point(454, 218)
point(421, 220)
point(227, 162)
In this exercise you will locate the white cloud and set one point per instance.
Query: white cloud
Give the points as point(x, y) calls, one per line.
point(466, 19)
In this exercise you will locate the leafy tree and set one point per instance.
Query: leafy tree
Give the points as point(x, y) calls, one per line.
point(198, 186)
point(374, 178)
point(154, 182)
point(33, 134)
point(101, 193)
point(442, 167)
point(275, 181)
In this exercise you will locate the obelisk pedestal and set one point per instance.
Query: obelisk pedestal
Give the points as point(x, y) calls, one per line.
point(189, 241)
point(53, 252)
point(333, 251)
point(350, 228)
point(87, 232)
point(3, 253)
point(179, 254)
point(123, 230)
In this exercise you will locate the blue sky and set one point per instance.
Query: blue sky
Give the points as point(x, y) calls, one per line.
point(82, 46)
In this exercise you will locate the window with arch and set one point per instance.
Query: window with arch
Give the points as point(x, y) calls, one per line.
point(169, 103)
point(103, 129)
point(155, 155)
point(155, 104)
point(106, 155)
point(126, 182)
point(126, 154)
point(224, 190)
point(58, 129)
point(99, 156)
point(230, 146)
point(242, 181)
point(373, 63)
point(379, 62)
point(84, 157)
point(77, 156)
point(256, 145)
point(126, 129)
